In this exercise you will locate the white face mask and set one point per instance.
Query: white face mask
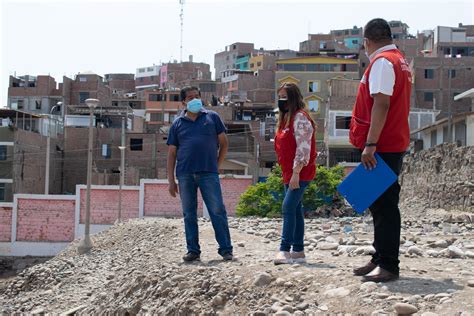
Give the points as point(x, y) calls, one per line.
point(367, 54)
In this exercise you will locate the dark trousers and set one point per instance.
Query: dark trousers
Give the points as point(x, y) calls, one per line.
point(387, 222)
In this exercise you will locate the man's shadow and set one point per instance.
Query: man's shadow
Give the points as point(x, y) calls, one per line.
point(422, 286)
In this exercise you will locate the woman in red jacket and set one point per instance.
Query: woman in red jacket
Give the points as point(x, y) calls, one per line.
point(295, 147)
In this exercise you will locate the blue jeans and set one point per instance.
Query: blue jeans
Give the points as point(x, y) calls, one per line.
point(293, 219)
point(210, 187)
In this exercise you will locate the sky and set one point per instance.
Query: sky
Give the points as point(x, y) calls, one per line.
point(66, 37)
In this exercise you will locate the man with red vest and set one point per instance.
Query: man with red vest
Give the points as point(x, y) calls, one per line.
point(380, 124)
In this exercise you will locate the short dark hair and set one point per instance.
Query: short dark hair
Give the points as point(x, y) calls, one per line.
point(185, 90)
point(378, 30)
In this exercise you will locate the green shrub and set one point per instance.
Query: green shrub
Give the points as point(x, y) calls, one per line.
point(265, 198)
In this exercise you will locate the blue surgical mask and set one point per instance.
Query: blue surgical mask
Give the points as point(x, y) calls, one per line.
point(194, 106)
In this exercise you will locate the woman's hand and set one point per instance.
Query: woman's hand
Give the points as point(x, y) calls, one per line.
point(294, 181)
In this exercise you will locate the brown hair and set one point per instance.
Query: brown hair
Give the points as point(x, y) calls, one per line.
point(295, 103)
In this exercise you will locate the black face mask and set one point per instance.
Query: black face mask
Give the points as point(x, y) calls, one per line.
point(283, 105)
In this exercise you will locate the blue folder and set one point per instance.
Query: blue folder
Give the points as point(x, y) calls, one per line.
point(362, 187)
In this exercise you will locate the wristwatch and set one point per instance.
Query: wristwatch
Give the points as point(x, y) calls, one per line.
point(370, 144)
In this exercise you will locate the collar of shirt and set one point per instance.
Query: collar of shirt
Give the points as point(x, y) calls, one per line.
point(382, 49)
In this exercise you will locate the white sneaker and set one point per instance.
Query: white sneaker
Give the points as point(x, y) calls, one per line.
point(298, 257)
point(283, 257)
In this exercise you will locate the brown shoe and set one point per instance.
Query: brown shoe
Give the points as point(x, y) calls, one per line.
point(365, 269)
point(380, 275)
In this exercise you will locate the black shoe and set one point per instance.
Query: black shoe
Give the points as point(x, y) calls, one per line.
point(191, 256)
point(382, 276)
point(227, 256)
point(369, 267)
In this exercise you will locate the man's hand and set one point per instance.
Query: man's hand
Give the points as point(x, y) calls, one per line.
point(173, 188)
point(294, 181)
point(368, 158)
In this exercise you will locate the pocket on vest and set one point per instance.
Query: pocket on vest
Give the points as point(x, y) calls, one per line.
point(358, 132)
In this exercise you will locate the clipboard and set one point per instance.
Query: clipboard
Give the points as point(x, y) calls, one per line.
point(362, 187)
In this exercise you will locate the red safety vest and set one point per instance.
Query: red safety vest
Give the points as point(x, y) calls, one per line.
point(395, 135)
point(285, 147)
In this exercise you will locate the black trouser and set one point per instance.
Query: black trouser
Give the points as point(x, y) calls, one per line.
point(387, 222)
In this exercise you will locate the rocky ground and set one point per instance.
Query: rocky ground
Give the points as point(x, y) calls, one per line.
point(136, 268)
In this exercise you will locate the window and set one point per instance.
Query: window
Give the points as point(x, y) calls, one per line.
point(156, 97)
point(453, 73)
point(429, 73)
point(252, 65)
point(259, 63)
point(82, 79)
point(428, 96)
point(355, 32)
point(106, 151)
point(83, 96)
point(363, 65)
point(313, 105)
point(149, 69)
point(20, 104)
point(3, 152)
point(355, 41)
point(156, 117)
point(141, 70)
point(2, 191)
point(346, 32)
point(140, 79)
point(313, 86)
point(38, 104)
point(293, 67)
point(152, 78)
point(322, 45)
point(174, 97)
point(343, 122)
point(136, 144)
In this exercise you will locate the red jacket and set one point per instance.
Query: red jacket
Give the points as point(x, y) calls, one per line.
point(285, 147)
point(395, 135)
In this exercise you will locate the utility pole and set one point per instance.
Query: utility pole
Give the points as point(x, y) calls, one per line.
point(48, 154)
point(48, 149)
point(122, 170)
point(86, 244)
point(181, 17)
point(450, 116)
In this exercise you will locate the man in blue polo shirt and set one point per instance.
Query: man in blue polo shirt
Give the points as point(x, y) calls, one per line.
point(198, 143)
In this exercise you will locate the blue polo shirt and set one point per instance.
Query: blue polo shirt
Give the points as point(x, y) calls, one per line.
point(196, 141)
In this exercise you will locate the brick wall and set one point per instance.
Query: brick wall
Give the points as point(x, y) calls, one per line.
point(5, 223)
point(158, 202)
point(45, 220)
point(231, 191)
point(104, 205)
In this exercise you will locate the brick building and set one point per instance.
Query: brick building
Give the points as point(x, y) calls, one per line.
point(23, 155)
point(226, 60)
point(147, 78)
point(435, 88)
point(34, 94)
point(123, 91)
point(240, 86)
point(84, 86)
point(174, 75)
